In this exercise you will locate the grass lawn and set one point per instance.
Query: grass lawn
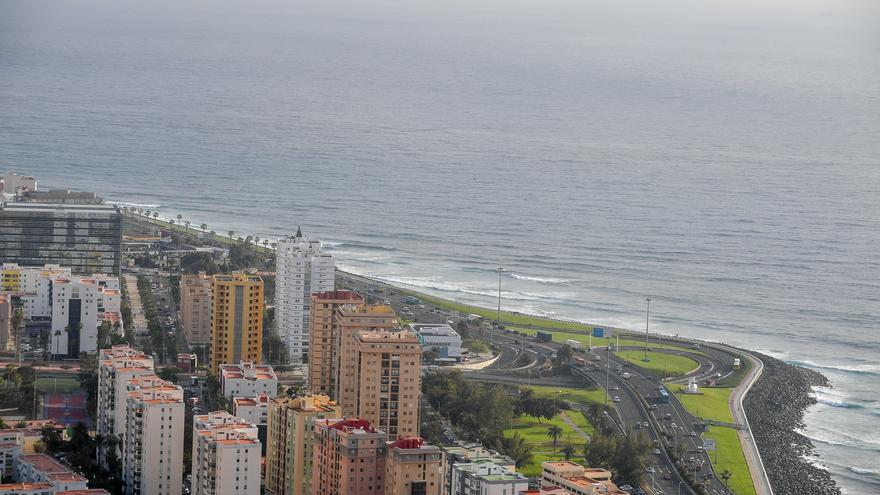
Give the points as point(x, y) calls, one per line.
point(660, 364)
point(730, 457)
point(577, 395)
point(712, 404)
point(536, 433)
point(62, 385)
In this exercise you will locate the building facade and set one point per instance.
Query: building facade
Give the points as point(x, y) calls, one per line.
point(79, 305)
point(348, 458)
point(441, 337)
point(85, 238)
point(302, 268)
point(196, 308)
point(290, 435)
point(413, 467)
point(237, 319)
point(116, 366)
point(482, 477)
point(349, 320)
point(7, 337)
point(152, 461)
point(41, 468)
point(225, 455)
point(247, 380)
point(577, 479)
point(323, 333)
point(387, 372)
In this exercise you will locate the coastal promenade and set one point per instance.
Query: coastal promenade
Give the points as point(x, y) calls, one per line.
point(746, 437)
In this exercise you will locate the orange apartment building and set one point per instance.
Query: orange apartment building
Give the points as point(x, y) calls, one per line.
point(349, 320)
point(348, 458)
point(323, 333)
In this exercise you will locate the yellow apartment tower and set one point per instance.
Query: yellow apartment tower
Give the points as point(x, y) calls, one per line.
point(237, 323)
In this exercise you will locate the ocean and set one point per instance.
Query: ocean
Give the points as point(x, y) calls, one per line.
point(720, 158)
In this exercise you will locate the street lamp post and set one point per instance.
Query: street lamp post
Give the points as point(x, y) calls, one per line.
point(498, 315)
point(647, 320)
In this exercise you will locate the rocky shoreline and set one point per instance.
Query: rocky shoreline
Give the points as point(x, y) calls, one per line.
point(775, 406)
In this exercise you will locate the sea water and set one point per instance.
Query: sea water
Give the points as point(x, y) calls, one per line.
point(719, 158)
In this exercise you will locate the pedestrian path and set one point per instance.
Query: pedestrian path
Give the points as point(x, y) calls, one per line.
point(573, 426)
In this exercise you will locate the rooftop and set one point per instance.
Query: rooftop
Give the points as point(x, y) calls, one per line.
point(433, 329)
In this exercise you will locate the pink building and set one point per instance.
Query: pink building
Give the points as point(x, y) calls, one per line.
point(348, 458)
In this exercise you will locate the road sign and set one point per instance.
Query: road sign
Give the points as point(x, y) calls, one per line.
point(709, 444)
point(598, 332)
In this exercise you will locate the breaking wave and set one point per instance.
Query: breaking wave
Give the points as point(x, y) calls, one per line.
point(542, 280)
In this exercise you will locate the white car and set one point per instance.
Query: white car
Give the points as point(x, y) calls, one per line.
point(657, 451)
point(616, 399)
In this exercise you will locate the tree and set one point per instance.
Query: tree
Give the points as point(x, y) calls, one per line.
point(554, 432)
point(517, 449)
point(156, 215)
point(725, 476)
point(51, 438)
point(231, 235)
point(169, 374)
point(179, 216)
point(568, 451)
point(430, 355)
point(204, 227)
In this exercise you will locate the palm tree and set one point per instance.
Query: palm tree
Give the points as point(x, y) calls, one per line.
point(231, 236)
point(171, 221)
point(554, 432)
point(725, 476)
point(568, 451)
point(204, 227)
point(274, 245)
point(156, 215)
point(147, 213)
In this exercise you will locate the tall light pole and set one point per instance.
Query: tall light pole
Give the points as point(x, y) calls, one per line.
point(498, 316)
point(647, 320)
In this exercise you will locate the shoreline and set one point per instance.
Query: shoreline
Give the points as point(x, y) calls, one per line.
point(776, 407)
point(775, 473)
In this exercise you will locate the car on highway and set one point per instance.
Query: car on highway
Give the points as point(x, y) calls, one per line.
point(616, 399)
point(673, 425)
point(657, 452)
point(693, 433)
point(645, 424)
point(667, 476)
point(615, 388)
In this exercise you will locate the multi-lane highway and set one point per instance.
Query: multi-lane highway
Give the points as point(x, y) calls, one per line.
point(636, 400)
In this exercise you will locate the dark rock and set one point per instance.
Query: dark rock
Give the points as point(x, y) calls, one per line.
point(775, 407)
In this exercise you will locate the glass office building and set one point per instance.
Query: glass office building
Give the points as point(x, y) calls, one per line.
point(85, 238)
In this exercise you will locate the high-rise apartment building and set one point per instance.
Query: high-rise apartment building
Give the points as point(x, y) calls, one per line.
point(350, 319)
point(412, 467)
point(225, 455)
point(323, 334)
point(382, 380)
point(79, 305)
point(348, 458)
point(301, 269)
point(290, 435)
point(152, 460)
point(196, 308)
point(116, 366)
point(85, 238)
point(237, 321)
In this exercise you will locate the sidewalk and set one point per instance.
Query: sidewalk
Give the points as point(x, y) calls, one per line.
point(750, 449)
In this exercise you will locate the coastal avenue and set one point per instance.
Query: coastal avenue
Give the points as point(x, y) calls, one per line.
point(638, 397)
